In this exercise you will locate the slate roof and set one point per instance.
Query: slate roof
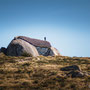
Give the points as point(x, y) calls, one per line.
point(35, 42)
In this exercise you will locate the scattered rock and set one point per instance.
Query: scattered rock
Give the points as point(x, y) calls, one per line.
point(70, 68)
point(86, 73)
point(74, 71)
point(74, 74)
point(3, 50)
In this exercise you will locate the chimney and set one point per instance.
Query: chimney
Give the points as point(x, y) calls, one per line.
point(44, 38)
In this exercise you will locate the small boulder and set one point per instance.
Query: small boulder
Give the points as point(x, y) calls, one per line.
point(86, 73)
point(74, 74)
point(3, 50)
point(70, 68)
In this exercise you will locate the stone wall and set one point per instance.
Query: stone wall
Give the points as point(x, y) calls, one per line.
point(43, 51)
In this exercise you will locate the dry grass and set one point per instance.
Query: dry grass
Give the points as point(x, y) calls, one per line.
point(42, 73)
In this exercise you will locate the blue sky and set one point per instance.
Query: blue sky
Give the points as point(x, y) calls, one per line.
point(65, 23)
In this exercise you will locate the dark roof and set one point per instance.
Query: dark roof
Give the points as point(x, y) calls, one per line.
point(35, 42)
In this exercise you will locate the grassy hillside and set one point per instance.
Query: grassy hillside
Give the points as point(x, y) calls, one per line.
point(42, 73)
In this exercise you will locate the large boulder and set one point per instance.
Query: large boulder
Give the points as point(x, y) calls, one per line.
point(19, 47)
point(54, 52)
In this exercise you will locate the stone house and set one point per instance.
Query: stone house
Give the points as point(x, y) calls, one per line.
point(34, 47)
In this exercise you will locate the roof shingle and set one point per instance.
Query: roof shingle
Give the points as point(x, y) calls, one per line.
point(35, 42)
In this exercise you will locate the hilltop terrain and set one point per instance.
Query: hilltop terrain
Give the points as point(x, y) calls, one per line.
point(43, 73)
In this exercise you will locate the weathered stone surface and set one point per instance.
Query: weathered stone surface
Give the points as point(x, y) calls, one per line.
point(69, 68)
point(54, 51)
point(17, 47)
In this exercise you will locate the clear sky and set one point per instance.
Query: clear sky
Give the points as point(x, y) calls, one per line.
point(65, 23)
